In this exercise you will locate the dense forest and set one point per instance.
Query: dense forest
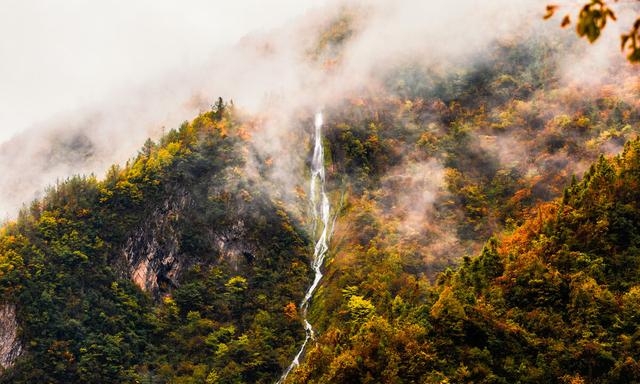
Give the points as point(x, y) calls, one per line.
point(221, 263)
point(486, 230)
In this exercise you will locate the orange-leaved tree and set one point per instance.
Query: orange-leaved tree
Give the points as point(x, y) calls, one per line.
point(592, 18)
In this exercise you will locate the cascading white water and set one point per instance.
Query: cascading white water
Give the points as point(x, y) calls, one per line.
point(321, 211)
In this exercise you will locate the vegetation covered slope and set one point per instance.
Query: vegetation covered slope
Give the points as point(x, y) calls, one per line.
point(214, 310)
point(182, 268)
point(555, 300)
point(433, 166)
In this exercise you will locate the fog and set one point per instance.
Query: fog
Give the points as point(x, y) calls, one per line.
point(112, 72)
point(58, 56)
point(84, 83)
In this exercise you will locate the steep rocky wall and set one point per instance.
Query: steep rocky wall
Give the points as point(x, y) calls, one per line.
point(232, 245)
point(152, 250)
point(10, 346)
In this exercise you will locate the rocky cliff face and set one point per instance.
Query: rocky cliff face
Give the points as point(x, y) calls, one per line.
point(231, 244)
point(10, 346)
point(152, 250)
point(154, 255)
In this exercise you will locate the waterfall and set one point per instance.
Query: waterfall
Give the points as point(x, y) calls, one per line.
point(321, 212)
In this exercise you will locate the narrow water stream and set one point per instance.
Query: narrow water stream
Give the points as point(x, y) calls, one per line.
point(321, 224)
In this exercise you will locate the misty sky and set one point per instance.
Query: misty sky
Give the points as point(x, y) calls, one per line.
point(58, 56)
point(112, 73)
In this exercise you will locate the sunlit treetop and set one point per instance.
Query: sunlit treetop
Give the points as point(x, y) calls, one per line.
point(592, 19)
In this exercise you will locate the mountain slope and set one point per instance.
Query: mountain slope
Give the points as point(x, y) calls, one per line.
point(457, 256)
point(554, 300)
point(219, 260)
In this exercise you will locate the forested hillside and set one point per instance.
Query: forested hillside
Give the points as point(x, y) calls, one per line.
point(485, 228)
point(215, 260)
point(552, 300)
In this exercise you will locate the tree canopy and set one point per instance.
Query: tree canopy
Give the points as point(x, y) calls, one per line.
point(592, 19)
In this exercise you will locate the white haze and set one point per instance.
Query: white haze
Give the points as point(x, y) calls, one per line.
point(59, 55)
point(116, 72)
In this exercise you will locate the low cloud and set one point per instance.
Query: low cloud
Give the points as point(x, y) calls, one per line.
point(277, 73)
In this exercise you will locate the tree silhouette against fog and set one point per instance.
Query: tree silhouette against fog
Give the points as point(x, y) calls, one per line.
point(592, 19)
